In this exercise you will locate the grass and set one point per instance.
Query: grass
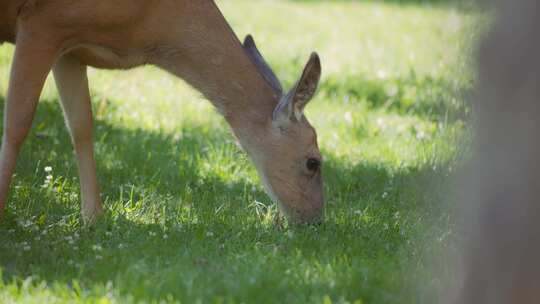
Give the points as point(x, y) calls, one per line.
point(186, 218)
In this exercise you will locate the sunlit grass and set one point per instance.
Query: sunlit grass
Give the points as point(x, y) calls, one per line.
point(186, 219)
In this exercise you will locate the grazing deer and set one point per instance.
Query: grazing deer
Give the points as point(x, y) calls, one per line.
point(190, 39)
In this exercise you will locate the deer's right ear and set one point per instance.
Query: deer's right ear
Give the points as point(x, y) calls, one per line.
point(262, 66)
point(291, 106)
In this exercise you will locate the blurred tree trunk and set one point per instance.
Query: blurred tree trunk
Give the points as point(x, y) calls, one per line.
point(502, 252)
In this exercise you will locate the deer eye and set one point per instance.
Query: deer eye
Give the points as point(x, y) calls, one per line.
point(313, 164)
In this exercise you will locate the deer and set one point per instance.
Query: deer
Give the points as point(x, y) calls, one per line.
point(189, 39)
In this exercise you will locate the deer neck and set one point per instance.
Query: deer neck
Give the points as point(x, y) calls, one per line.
point(212, 59)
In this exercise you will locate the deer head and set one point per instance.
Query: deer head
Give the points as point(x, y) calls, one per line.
point(285, 152)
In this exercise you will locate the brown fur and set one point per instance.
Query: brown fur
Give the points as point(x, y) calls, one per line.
point(190, 39)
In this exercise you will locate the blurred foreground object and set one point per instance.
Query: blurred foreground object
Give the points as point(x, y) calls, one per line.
point(501, 263)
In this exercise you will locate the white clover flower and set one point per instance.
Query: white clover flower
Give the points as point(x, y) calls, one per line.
point(70, 240)
point(348, 117)
point(96, 247)
point(380, 122)
point(25, 246)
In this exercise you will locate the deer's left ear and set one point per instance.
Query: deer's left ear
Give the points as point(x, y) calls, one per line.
point(291, 106)
point(264, 68)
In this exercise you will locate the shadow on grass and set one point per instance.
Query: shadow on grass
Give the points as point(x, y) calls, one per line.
point(174, 229)
point(431, 98)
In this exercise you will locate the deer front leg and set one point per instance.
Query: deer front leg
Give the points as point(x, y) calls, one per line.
point(72, 83)
point(33, 59)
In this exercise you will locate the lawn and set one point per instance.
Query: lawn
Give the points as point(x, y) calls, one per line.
point(186, 217)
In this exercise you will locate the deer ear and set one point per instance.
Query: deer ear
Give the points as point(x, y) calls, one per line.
point(291, 106)
point(262, 66)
